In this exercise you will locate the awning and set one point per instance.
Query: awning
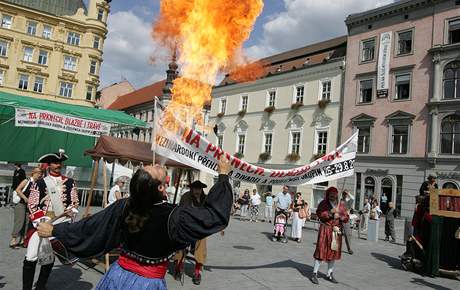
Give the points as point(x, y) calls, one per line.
point(109, 116)
point(124, 150)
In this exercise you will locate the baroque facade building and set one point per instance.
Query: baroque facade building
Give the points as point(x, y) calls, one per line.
point(288, 117)
point(401, 94)
point(52, 49)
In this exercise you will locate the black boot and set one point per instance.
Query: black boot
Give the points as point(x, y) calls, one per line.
point(28, 273)
point(45, 272)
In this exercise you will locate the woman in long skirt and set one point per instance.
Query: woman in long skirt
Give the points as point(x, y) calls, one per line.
point(297, 221)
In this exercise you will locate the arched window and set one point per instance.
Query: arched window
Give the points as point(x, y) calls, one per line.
point(369, 186)
point(451, 81)
point(450, 135)
point(449, 185)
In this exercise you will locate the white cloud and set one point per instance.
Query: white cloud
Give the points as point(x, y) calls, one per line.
point(307, 21)
point(127, 52)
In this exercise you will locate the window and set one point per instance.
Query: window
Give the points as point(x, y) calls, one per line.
point(2, 77)
point(73, 38)
point(271, 98)
point(364, 137)
point(454, 31)
point(244, 103)
point(449, 185)
point(28, 54)
point(450, 135)
point(23, 82)
point(268, 138)
point(100, 14)
point(66, 89)
point(220, 141)
point(300, 90)
point(295, 143)
point(451, 81)
point(38, 85)
point(47, 31)
point(321, 142)
point(3, 48)
point(405, 42)
point(70, 63)
point(366, 88)
point(43, 57)
point(96, 41)
point(326, 90)
point(369, 187)
point(368, 50)
point(93, 67)
point(402, 89)
point(223, 105)
point(89, 93)
point(241, 142)
point(31, 27)
point(7, 20)
point(400, 139)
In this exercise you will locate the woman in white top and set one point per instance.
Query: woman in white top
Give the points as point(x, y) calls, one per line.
point(255, 202)
point(115, 192)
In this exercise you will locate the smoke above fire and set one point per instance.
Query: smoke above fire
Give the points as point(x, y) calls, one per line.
point(208, 36)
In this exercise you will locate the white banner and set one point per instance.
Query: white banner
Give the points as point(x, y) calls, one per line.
point(60, 122)
point(383, 67)
point(183, 144)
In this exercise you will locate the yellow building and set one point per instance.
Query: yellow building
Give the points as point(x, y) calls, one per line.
point(52, 49)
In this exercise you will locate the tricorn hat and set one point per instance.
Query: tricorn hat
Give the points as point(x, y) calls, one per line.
point(54, 157)
point(197, 184)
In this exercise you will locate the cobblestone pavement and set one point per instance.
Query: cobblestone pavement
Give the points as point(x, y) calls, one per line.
point(246, 258)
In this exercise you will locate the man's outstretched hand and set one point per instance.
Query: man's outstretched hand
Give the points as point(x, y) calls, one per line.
point(224, 166)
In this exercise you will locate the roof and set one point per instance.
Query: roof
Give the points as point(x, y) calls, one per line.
point(89, 113)
point(306, 56)
point(55, 7)
point(144, 95)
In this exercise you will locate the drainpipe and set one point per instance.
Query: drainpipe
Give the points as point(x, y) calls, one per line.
point(342, 97)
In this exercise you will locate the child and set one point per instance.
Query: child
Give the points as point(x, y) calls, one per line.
point(390, 223)
point(279, 227)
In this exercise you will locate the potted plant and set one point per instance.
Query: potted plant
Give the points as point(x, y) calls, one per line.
point(242, 113)
point(293, 157)
point(264, 156)
point(220, 115)
point(238, 155)
point(269, 109)
point(296, 105)
point(322, 104)
point(317, 156)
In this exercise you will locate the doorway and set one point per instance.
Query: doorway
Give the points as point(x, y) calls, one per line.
point(387, 194)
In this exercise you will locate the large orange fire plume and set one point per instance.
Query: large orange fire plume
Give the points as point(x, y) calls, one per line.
point(208, 36)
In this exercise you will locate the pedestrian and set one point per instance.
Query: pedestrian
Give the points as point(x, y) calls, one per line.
point(384, 203)
point(283, 199)
point(268, 213)
point(147, 229)
point(18, 176)
point(299, 215)
point(255, 203)
point(365, 214)
point(115, 191)
point(245, 199)
point(376, 212)
point(194, 198)
point(390, 223)
point(347, 200)
point(428, 185)
point(332, 214)
point(53, 196)
point(21, 218)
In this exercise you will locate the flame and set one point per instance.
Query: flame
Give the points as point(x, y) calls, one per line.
point(208, 36)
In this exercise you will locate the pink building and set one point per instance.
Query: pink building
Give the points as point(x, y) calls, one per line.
point(106, 96)
point(392, 87)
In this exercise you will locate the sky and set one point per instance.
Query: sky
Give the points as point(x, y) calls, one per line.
point(283, 25)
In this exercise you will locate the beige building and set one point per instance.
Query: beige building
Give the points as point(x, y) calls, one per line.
point(107, 95)
point(52, 49)
point(287, 118)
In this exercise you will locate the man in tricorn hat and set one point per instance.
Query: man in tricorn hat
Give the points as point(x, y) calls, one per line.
point(195, 198)
point(53, 197)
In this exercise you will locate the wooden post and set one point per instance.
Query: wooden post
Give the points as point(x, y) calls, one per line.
point(93, 183)
point(177, 185)
point(104, 174)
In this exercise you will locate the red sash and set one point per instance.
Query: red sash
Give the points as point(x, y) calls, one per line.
point(145, 270)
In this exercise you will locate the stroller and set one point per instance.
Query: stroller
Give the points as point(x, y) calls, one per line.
point(412, 259)
point(279, 231)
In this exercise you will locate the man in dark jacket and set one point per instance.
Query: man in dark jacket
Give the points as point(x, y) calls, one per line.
point(18, 176)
